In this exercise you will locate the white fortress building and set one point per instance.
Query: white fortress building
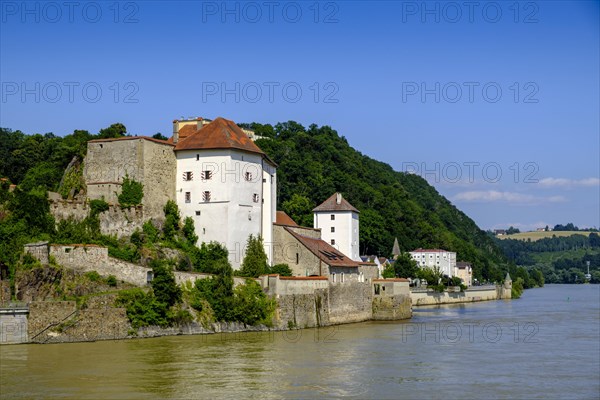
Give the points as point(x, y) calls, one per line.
point(225, 183)
point(430, 258)
point(338, 221)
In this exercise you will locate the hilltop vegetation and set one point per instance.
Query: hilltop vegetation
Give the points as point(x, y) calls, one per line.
point(313, 163)
point(561, 259)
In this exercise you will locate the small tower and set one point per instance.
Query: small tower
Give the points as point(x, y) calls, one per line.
point(338, 221)
point(507, 288)
point(395, 249)
point(507, 282)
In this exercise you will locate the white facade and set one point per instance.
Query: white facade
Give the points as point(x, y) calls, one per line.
point(230, 194)
point(444, 260)
point(340, 229)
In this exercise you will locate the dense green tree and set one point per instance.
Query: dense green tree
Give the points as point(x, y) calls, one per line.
point(189, 231)
point(164, 286)
point(281, 269)
point(405, 266)
point(114, 131)
point(159, 136)
point(210, 258)
point(172, 217)
point(255, 260)
point(299, 208)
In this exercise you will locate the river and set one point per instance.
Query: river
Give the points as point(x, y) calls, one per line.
point(545, 345)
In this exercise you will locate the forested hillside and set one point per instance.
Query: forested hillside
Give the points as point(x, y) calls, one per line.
point(316, 162)
point(313, 164)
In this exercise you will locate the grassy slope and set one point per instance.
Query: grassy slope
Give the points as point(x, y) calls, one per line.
point(541, 235)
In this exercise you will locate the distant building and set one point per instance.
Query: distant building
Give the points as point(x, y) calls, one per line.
point(499, 232)
point(464, 271)
point(431, 258)
point(338, 221)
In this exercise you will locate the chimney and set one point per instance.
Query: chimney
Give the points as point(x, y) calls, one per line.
point(200, 123)
point(338, 198)
point(175, 131)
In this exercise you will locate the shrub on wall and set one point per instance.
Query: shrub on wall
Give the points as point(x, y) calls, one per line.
point(132, 192)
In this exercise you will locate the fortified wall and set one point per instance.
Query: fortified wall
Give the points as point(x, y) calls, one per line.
point(95, 258)
point(425, 297)
point(115, 221)
point(308, 302)
point(149, 161)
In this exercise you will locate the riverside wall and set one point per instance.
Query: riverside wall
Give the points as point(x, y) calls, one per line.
point(309, 302)
point(424, 297)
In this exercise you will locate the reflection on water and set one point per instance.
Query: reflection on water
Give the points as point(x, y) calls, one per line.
point(545, 345)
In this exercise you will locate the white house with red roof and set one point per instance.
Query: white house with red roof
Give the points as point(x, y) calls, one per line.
point(338, 221)
point(431, 258)
point(226, 183)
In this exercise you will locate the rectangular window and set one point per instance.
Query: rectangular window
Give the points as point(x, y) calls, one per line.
point(297, 258)
point(188, 175)
point(255, 198)
point(332, 229)
point(188, 197)
point(207, 175)
point(197, 212)
point(248, 176)
point(206, 196)
point(197, 157)
point(332, 241)
point(332, 217)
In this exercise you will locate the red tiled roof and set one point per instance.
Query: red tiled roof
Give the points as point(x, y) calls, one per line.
point(331, 205)
point(429, 251)
point(303, 278)
point(326, 253)
point(131, 138)
point(184, 132)
point(392, 280)
point(283, 219)
point(219, 134)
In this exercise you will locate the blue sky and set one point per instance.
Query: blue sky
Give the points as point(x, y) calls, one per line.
point(496, 104)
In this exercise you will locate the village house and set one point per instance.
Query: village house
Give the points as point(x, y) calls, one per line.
point(464, 271)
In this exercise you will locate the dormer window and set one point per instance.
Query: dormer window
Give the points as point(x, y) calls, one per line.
point(188, 176)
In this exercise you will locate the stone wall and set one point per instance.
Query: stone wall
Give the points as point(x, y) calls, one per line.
point(306, 302)
point(13, 327)
point(148, 161)
point(61, 322)
point(115, 221)
point(350, 302)
point(44, 315)
point(95, 258)
point(39, 251)
point(391, 308)
point(423, 297)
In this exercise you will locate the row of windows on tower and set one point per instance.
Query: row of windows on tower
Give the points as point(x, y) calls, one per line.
point(207, 175)
point(206, 197)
